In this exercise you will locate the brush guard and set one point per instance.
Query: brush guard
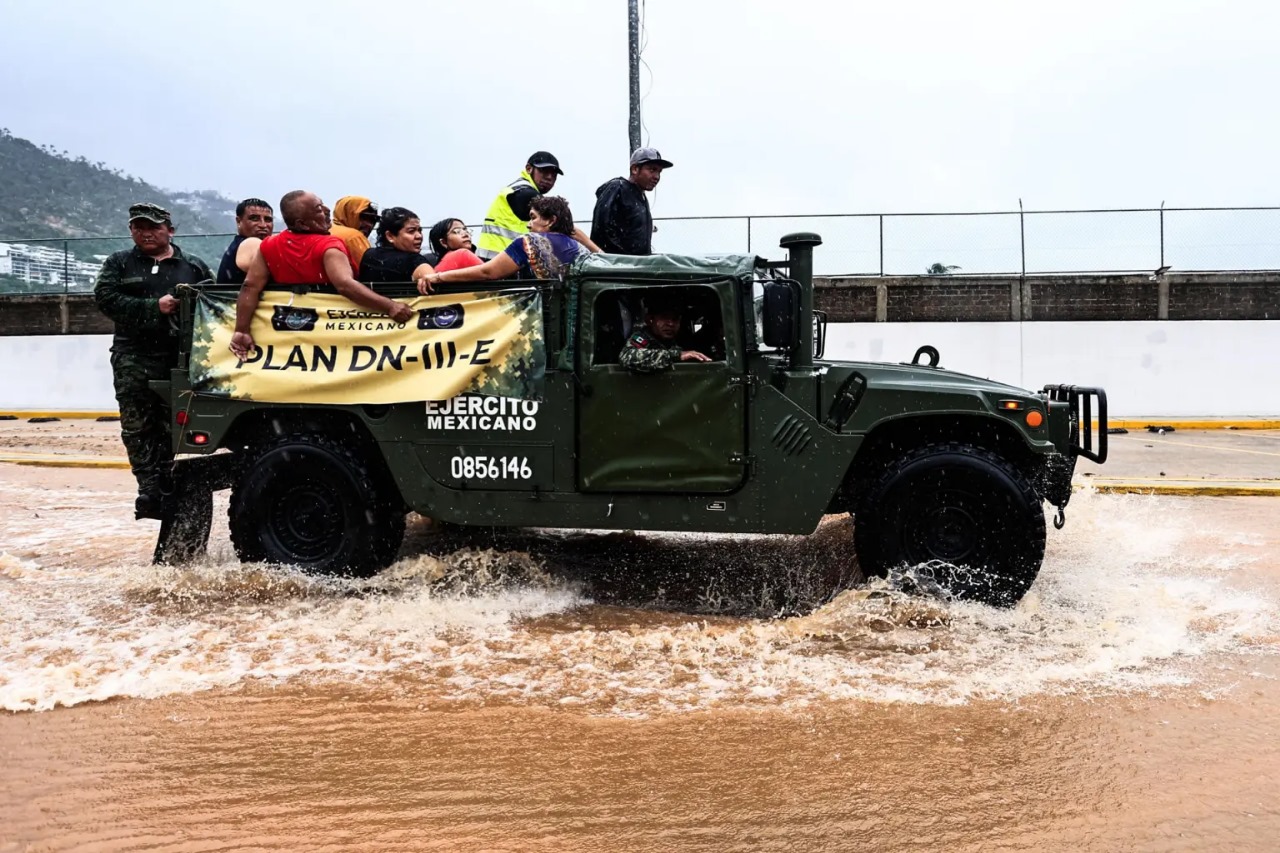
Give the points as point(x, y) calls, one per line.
point(1085, 403)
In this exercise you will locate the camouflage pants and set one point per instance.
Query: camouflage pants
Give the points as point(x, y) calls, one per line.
point(144, 416)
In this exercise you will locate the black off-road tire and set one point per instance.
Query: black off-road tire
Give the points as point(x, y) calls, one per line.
point(959, 505)
point(310, 501)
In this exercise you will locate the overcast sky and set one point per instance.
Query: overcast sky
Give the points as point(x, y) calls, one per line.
point(764, 106)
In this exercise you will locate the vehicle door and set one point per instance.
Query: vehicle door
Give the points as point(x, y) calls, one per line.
point(677, 430)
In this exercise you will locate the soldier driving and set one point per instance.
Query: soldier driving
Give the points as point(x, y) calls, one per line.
point(653, 347)
point(135, 289)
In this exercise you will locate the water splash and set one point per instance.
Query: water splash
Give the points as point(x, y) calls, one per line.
point(625, 624)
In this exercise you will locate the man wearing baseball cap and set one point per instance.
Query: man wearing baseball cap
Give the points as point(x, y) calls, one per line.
point(621, 223)
point(508, 216)
point(135, 289)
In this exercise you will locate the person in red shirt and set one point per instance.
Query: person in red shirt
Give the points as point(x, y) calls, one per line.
point(304, 253)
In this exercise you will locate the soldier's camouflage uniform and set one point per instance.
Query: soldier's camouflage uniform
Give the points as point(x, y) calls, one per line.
point(645, 352)
point(145, 347)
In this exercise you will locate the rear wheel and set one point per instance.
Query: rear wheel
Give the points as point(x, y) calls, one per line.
point(310, 501)
point(967, 512)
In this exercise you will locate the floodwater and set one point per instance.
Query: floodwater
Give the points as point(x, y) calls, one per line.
point(613, 693)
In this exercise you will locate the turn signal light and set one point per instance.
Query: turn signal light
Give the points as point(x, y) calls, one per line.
point(198, 438)
point(1034, 418)
point(1011, 405)
point(181, 417)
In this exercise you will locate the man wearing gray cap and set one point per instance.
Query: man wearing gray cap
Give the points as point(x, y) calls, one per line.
point(621, 223)
point(135, 290)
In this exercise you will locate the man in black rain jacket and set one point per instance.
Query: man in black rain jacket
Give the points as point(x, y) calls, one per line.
point(621, 223)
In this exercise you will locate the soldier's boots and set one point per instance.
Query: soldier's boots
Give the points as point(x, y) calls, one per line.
point(152, 499)
point(149, 505)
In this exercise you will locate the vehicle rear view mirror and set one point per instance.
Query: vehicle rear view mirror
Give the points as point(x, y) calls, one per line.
point(779, 315)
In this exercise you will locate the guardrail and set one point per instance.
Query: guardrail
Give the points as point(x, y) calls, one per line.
point(998, 242)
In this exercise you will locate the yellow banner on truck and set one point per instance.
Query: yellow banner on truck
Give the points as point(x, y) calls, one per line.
point(323, 348)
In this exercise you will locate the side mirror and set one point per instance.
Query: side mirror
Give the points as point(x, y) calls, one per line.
point(779, 315)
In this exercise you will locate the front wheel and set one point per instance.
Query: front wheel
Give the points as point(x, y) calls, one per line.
point(310, 501)
point(966, 511)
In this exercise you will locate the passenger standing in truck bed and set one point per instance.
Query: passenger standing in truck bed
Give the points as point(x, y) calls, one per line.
point(451, 246)
point(354, 218)
point(544, 253)
point(255, 220)
point(304, 253)
point(398, 256)
point(508, 216)
point(621, 223)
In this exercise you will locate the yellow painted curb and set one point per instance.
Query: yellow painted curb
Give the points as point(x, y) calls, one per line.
point(1186, 491)
point(42, 461)
point(1216, 487)
point(69, 414)
point(1192, 423)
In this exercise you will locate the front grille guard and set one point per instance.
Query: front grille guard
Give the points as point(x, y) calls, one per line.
point(1081, 399)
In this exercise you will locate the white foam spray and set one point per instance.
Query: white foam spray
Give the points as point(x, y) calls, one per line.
point(1119, 606)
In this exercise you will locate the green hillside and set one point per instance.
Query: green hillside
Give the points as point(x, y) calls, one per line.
point(49, 193)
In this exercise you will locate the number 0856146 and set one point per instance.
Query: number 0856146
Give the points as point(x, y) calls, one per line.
point(490, 468)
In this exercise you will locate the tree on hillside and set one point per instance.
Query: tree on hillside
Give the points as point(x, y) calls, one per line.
point(48, 193)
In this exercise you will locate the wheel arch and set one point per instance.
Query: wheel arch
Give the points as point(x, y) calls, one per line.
point(890, 439)
point(261, 425)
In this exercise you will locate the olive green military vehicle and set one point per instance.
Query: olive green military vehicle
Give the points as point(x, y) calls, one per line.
point(938, 468)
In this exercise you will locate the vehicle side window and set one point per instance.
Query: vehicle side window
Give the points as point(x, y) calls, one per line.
point(621, 312)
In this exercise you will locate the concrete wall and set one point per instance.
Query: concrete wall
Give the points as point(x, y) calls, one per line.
point(1050, 298)
point(1188, 368)
point(1200, 368)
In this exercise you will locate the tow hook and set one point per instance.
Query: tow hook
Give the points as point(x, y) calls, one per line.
point(1060, 519)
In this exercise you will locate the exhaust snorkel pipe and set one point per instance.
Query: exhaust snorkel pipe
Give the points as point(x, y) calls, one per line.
point(800, 247)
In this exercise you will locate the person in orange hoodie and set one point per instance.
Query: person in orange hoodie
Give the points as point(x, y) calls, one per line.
point(354, 218)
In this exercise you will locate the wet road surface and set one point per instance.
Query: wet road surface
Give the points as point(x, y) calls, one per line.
point(635, 693)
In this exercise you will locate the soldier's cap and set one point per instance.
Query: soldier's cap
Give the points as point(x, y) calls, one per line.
point(648, 155)
point(662, 303)
point(545, 160)
point(150, 212)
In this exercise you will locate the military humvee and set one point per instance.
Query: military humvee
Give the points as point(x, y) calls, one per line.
point(937, 467)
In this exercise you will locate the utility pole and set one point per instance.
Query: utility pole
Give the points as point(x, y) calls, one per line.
point(633, 31)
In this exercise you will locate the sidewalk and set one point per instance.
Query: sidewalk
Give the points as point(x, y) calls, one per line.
point(1191, 462)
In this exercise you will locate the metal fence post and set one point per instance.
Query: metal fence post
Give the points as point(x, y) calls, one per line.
point(748, 235)
point(66, 267)
point(1023, 304)
point(881, 218)
point(1161, 235)
point(1022, 237)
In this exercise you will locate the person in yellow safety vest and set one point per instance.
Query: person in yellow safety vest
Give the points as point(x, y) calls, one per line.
point(508, 216)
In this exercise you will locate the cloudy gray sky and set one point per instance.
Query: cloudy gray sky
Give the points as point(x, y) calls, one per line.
point(765, 106)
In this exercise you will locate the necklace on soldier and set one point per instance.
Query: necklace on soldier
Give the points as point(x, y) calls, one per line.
point(155, 268)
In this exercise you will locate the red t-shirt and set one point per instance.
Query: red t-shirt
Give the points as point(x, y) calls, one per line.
point(294, 258)
point(458, 259)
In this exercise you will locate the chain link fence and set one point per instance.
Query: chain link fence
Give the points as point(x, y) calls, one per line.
point(1010, 242)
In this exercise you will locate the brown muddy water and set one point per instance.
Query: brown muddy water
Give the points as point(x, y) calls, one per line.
point(618, 693)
